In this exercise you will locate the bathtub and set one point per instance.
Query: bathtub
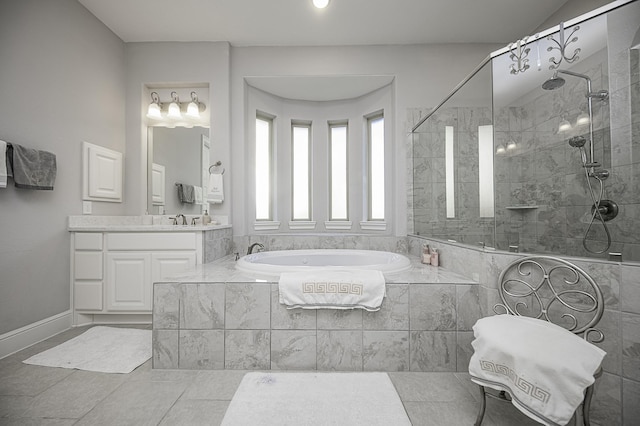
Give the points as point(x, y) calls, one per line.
point(272, 263)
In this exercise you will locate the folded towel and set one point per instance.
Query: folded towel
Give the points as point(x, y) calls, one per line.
point(215, 191)
point(31, 168)
point(186, 193)
point(332, 289)
point(544, 367)
point(198, 194)
point(3, 164)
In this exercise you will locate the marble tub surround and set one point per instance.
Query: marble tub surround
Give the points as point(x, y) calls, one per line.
point(618, 389)
point(321, 241)
point(216, 317)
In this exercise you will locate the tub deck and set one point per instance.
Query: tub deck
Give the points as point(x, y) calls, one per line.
point(215, 317)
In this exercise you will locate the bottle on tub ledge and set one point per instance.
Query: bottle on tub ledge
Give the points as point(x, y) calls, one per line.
point(426, 255)
point(435, 257)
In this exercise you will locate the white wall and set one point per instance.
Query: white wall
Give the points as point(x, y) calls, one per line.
point(154, 64)
point(62, 81)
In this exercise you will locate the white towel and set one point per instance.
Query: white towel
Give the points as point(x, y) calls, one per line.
point(198, 193)
point(215, 189)
point(3, 164)
point(332, 289)
point(544, 367)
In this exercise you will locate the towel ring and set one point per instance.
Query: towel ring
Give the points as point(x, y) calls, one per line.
point(217, 164)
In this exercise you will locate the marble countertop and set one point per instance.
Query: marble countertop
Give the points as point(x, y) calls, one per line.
point(143, 228)
point(224, 270)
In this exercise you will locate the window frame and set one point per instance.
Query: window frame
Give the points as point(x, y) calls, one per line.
point(369, 119)
point(332, 125)
point(270, 119)
point(307, 125)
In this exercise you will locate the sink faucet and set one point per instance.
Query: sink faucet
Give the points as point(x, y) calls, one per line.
point(252, 246)
point(184, 219)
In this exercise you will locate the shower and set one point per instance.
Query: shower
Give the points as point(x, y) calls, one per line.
point(601, 210)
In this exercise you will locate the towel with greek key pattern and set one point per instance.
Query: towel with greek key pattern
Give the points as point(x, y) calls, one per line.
point(544, 367)
point(332, 289)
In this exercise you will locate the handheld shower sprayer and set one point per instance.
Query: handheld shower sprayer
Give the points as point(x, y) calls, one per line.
point(578, 142)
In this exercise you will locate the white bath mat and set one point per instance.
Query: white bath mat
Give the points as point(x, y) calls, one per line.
point(101, 349)
point(316, 399)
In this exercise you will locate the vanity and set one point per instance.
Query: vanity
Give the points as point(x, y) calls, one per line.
point(116, 259)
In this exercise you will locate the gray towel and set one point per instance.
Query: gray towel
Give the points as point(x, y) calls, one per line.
point(186, 193)
point(31, 168)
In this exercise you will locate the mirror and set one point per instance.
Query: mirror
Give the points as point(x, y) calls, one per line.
point(177, 156)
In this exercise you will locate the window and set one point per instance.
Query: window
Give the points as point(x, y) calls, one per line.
point(300, 170)
point(264, 142)
point(338, 206)
point(375, 133)
point(450, 190)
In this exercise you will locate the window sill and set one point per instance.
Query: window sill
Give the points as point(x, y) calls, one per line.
point(302, 224)
point(373, 225)
point(266, 225)
point(338, 224)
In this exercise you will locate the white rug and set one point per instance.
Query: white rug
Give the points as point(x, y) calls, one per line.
point(316, 399)
point(102, 349)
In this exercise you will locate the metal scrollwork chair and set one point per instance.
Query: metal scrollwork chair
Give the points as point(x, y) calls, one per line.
point(553, 290)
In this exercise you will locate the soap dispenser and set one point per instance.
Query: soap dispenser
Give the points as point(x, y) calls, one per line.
point(206, 219)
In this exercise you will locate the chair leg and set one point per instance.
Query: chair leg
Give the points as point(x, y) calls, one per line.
point(586, 405)
point(483, 406)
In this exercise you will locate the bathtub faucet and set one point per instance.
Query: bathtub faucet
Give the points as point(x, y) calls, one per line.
point(252, 246)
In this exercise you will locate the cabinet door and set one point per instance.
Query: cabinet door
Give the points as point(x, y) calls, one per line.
point(165, 265)
point(128, 281)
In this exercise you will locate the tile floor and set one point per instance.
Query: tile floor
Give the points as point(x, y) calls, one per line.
point(33, 395)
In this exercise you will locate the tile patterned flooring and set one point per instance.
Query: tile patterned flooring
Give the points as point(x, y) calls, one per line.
point(33, 395)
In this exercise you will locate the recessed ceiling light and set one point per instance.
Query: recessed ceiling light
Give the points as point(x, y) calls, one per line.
point(320, 4)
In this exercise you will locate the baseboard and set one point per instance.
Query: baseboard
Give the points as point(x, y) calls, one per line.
point(31, 334)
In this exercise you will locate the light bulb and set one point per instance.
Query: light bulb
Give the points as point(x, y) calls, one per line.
point(582, 119)
point(320, 4)
point(511, 144)
point(500, 149)
point(193, 110)
point(174, 110)
point(564, 126)
point(154, 111)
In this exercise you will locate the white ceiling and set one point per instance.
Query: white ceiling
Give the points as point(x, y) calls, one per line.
point(343, 22)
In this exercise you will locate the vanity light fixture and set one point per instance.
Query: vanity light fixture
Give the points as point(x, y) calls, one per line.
point(155, 107)
point(320, 4)
point(511, 144)
point(193, 109)
point(174, 107)
point(500, 149)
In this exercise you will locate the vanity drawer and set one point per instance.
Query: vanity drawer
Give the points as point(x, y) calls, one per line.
point(151, 241)
point(88, 241)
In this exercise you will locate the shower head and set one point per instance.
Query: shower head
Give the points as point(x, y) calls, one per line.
point(554, 82)
point(577, 141)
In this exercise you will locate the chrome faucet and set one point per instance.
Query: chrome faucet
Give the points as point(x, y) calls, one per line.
point(252, 246)
point(184, 219)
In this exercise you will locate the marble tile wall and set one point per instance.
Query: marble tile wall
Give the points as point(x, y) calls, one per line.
point(233, 325)
point(217, 243)
point(619, 388)
point(321, 241)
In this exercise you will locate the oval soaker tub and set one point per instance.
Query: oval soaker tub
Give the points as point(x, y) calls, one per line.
point(274, 262)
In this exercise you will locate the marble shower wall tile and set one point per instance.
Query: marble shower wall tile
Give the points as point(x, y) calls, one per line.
point(202, 306)
point(201, 349)
point(339, 350)
point(247, 349)
point(385, 350)
point(293, 350)
point(432, 307)
point(166, 302)
point(247, 306)
point(631, 346)
point(165, 349)
point(432, 350)
point(394, 312)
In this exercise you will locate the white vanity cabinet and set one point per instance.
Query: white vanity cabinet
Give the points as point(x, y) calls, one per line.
point(113, 272)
